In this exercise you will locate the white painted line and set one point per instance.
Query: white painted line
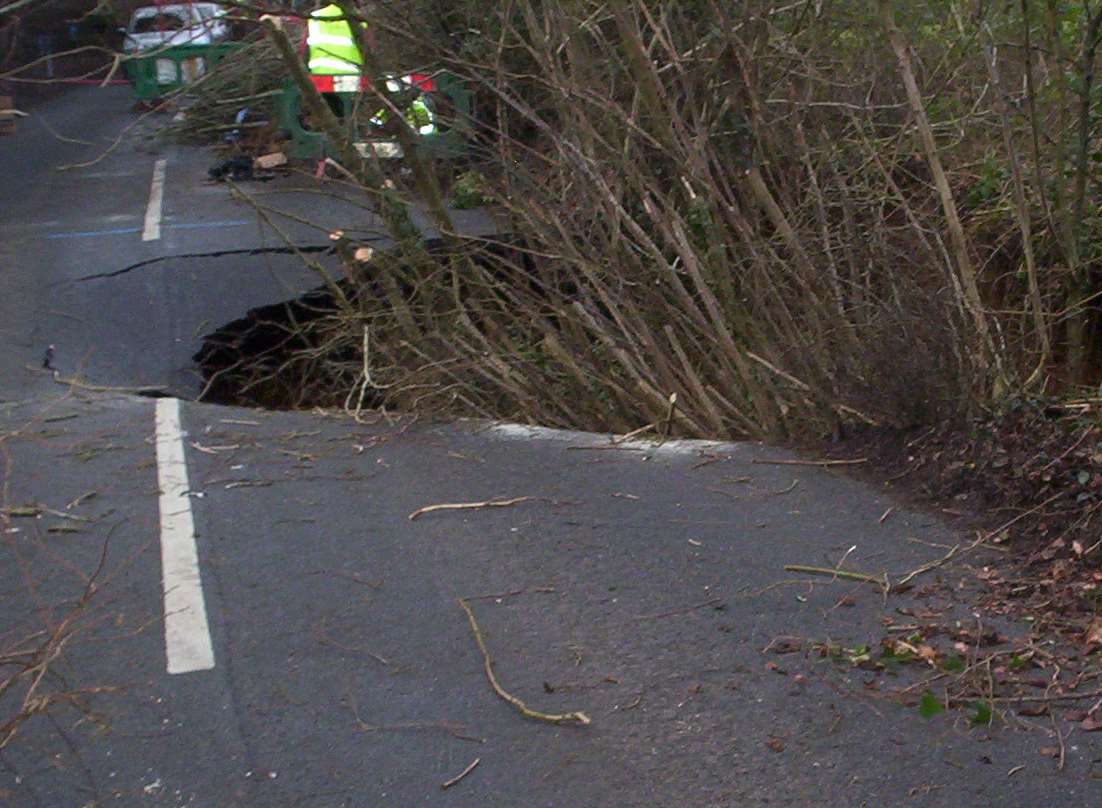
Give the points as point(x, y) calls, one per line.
point(152, 230)
point(187, 636)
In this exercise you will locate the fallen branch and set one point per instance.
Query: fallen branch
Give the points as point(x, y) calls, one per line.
point(686, 610)
point(249, 484)
point(510, 594)
point(461, 506)
point(634, 433)
point(667, 423)
point(461, 775)
point(882, 581)
point(788, 490)
point(74, 383)
point(1090, 694)
point(810, 462)
point(1070, 449)
point(1061, 739)
point(984, 537)
point(709, 460)
point(927, 567)
point(32, 511)
point(551, 718)
point(452, 728)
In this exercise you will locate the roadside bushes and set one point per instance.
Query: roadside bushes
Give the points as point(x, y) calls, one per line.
point(792, 215)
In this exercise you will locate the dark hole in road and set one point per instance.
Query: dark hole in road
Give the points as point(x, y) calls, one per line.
point(274, 356)
point(305, 353)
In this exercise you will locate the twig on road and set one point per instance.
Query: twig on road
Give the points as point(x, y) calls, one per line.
point(323, 638)
point(249, 484)
point(453, 728)
point(1061, 739)
point(858, 461)
point(509, 594)
point(31, 511)
point(881, 581)
point(927, 567)
point(75, 383)
point(685, 610)
point(81, 499)
point(460, 506)
point(788, 490)
point(634, 433)
point(708, 460)
point(577, 716)
point(461, 775)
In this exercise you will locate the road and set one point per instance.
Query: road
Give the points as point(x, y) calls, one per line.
point(263, 624)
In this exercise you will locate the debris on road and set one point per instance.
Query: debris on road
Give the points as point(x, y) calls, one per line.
point(461, 775)
point(8, 114)
point(577, 716)
point(716, 603)
point(270, 161)
point(34, 511)
point(461, 506)
point(881, 581)
point(238, 168)
point(824, 462)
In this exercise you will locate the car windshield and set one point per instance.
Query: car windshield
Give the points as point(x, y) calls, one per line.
point(158, 22)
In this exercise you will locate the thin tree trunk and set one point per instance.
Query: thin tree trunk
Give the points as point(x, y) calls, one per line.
point(1079, 319)
point(1021, 213)
point(972, 300)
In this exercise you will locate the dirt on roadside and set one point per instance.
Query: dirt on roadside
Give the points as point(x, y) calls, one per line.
point(1027, 482)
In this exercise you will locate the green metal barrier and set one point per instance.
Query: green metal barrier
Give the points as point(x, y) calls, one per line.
point(451, 139)
point(160, 72)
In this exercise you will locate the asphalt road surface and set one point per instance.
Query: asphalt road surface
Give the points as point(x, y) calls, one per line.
point(238, 610)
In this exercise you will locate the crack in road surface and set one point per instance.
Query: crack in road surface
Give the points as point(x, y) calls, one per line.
point(311, 249)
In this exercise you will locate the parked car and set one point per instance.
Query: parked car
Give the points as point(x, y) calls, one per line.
point(153, 27)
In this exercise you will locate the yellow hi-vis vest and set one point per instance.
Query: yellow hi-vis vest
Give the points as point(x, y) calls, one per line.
point(332, 49)
point(419, 114)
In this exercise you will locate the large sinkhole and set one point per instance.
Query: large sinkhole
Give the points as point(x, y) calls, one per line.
point(272, 358)
point(307, 352)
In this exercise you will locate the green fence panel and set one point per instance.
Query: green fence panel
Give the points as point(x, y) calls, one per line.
point(157, 73)
point(452, 141)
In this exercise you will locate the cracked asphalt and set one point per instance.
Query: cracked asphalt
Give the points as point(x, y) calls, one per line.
point(639, 585)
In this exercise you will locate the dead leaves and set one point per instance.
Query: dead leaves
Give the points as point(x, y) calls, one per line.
point(1093, 634)
point(1092, 723)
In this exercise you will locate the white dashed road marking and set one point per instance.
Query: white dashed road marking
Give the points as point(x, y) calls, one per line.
point(187, 636)
point(152, 230)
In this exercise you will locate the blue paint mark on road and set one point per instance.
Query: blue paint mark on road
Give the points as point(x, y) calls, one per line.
point(94, 233)
point(118, 231)
point(206, 225)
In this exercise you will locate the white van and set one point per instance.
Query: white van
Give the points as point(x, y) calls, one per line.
point(153, 27)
